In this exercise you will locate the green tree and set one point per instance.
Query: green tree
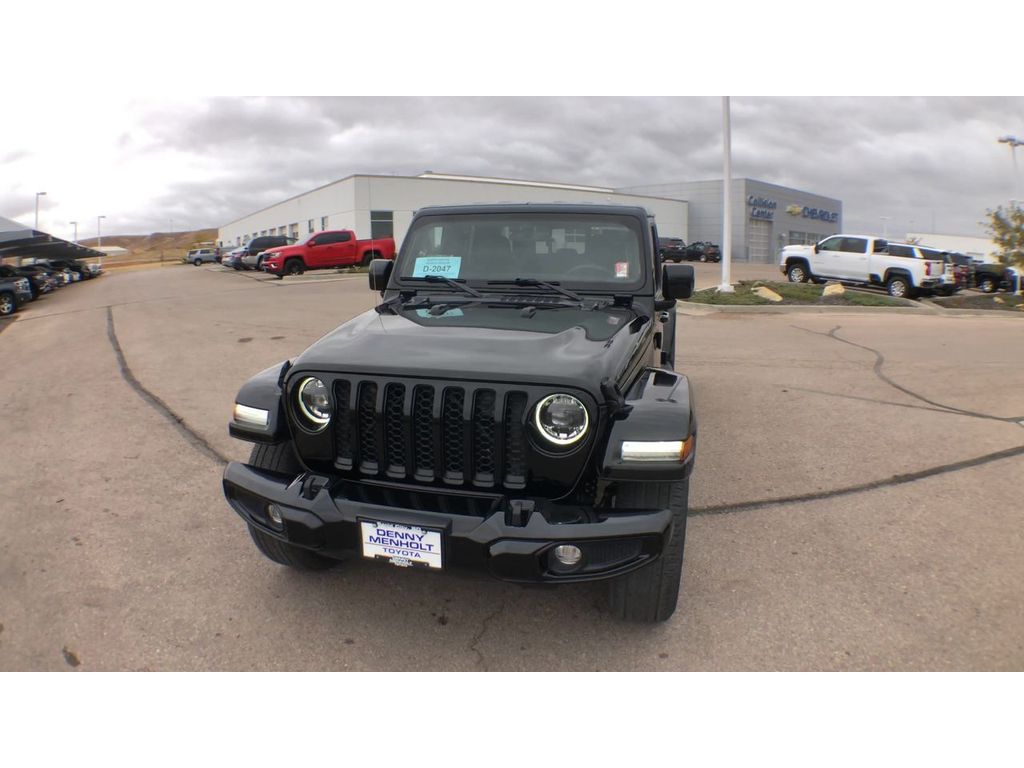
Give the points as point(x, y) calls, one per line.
point(1006, 225)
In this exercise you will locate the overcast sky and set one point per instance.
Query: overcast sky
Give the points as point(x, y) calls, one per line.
point(204, 162)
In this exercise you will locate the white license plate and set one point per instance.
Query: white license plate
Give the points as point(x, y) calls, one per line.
point(402, 545)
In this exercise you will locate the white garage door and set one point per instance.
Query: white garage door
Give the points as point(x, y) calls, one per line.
point(759, 241)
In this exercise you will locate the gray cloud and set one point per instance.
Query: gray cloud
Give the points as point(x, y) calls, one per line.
point(906, 158)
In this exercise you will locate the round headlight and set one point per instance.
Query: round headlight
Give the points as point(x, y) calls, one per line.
point(314, 403)
point(561, 419)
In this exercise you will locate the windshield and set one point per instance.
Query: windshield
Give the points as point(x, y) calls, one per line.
point(594, 250)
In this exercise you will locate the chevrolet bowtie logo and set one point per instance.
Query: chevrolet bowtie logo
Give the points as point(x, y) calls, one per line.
point(794, 210)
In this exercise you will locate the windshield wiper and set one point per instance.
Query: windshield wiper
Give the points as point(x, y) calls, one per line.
point(534, 282)
point(460, 284)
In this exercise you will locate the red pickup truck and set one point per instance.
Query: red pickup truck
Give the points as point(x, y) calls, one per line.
point(326, 250)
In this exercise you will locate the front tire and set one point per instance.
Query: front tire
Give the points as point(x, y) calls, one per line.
point(797, 273)
point(7, 304)
point(703, 258)
point(280, 457)
point(651, 593)
point(293, 267)
point(987, 284)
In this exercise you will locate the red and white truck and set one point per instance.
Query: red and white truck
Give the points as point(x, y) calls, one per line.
point(326, 250)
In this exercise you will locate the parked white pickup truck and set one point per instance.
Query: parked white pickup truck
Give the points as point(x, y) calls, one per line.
point(861, 259)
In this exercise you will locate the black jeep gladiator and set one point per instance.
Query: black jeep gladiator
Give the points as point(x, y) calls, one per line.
point(510, 406)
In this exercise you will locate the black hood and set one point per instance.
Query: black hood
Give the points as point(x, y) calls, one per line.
point(555, 344)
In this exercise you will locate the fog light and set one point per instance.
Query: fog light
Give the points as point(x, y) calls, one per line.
point(274, 514)
point(568, 554)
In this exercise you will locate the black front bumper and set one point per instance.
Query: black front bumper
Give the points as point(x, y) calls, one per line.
point(505, 542)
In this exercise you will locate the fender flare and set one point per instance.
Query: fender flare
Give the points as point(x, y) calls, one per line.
point(898, 272)
point(659, 407)
point(263, 391)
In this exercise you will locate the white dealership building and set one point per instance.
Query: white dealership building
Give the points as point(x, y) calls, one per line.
point(382, 206)
point(765, 216)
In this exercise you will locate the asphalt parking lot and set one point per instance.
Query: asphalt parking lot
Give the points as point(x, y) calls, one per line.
point(856, 502)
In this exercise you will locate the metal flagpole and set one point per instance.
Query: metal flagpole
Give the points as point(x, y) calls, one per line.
point(726, 286)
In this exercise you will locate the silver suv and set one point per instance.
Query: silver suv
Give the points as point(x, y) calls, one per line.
point(198, 256)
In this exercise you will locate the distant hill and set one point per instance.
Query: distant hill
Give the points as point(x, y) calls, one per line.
point(158, 246)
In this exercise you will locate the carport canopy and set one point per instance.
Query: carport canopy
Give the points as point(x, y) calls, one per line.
point(20, 242)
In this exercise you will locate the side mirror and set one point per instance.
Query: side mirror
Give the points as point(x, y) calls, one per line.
point(677, 281)
point(311, 243)
point(817, 248)
point(379, 274)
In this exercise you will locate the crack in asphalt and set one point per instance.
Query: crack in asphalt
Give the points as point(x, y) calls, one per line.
point(902, 479)
point(876, 401)
point(483, 630)
point(875, 485)
point(880, 361)
point(196, 440)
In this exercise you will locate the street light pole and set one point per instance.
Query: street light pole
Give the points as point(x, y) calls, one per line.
point(38, 195)
point(1014, 142)
point(726, 286)
point(99, 237)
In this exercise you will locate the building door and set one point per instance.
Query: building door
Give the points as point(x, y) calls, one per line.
point(759, 241)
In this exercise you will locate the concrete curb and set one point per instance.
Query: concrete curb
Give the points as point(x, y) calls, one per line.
point(695, 309)
point(700, 310)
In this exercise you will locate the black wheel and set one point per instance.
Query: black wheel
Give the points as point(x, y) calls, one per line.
point(7, 304)
point(703, 257)
point(797, 273)
point(651, 593)
point(293, 267)
point(281, 458)
point(196, 263)
point(367, 259)
point(987, 284)
point(898, 287)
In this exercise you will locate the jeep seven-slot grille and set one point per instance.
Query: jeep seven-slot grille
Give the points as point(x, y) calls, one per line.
point(461, 435)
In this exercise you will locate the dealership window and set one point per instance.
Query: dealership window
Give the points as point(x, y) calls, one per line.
point(323, 222)
point(311, 230)
point(263, 232)
point(805, 238)
point(382, 224)
point(294, 230)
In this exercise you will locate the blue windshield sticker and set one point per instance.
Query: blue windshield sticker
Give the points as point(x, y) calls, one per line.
point(454, 312)
point(442, 266)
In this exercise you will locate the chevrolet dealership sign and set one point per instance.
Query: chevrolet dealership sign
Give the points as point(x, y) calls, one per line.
point(820, 214)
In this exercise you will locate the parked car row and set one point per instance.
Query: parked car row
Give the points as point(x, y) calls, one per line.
point(331, 249)
point(674, 249)
point(905, 270)
point(250, 255)
point(38, 277)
